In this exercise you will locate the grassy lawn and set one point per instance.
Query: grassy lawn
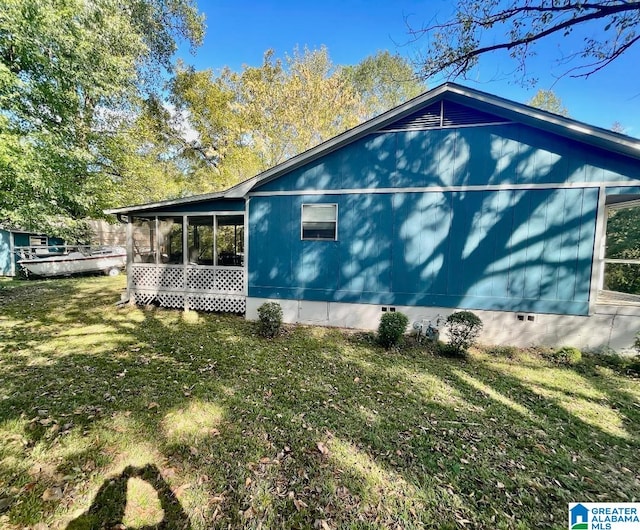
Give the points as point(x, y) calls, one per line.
point(129, 418)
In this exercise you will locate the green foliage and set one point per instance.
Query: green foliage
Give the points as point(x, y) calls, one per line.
point(502, 351)
point(391, 328)
point(636, 342)
point(70, 74)
point(251, 120)
point(383, 81)
point(567, 355)
point(463, 328)
point(270, 318)
point(547, 100)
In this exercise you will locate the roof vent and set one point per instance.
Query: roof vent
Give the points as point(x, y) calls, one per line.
point(443, 114)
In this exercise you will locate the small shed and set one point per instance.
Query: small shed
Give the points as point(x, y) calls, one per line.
point(13, 241)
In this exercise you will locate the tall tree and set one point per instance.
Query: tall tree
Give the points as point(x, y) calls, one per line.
point(549, 101)
point(251, 120)
point(69, 71)
point(383, 81)
point(292, 106)
point(479, 27)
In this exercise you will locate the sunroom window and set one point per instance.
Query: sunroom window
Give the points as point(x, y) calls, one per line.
point(320, 221)
point(622, 253)
point(144, 239)
point(170, 239)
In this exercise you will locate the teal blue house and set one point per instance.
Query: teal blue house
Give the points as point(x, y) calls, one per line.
point(457, 199)
point(13, 240)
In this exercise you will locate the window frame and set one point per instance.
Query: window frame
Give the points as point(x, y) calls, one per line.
point(38, 241)
point(319, 205)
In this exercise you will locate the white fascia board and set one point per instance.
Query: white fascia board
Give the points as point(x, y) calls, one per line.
point(162, 204)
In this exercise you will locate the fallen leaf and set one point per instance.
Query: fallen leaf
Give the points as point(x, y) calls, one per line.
point(300, 504)
point(5, 504)
point(180, 489)
point(152, 405)
point(52, 494)
point(324, 450)
point(168, 472)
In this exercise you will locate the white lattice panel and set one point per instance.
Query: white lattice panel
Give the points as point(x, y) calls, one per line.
point(229, 281)
point(144, 298)
point(171, 300)
point(201, 279)
point(222, 304)
point(144, 276)
point(171, 278)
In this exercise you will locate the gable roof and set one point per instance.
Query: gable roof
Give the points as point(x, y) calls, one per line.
point(448, 105)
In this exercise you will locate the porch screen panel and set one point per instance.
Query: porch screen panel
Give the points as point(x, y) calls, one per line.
point(144, 239)
point(200, 240)
point(170, 232)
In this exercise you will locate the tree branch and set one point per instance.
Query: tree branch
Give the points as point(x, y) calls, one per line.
point(465, 30)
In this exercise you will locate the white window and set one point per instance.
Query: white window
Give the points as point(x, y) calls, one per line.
point(622, 251)
point(320, 221)
point(38, 241)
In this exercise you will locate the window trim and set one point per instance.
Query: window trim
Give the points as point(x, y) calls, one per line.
point(322, 205)
point(38, 241)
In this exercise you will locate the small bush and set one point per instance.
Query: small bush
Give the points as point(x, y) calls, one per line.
point(636, 343)
point(567, 355)
point(391, 329)
point(502, 351)
point(448, 350)
point(270, 315)
point(463, 328)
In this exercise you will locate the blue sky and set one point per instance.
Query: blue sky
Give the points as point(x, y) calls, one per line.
point(239, 32)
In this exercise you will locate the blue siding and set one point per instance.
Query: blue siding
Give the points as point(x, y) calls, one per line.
point(516, 250)
point(5, 253)
point(497, 154)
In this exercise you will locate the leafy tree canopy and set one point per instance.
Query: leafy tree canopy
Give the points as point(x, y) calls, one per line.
point(251, 120)
point(71, 72)
point(479, 27)
point(547, 100)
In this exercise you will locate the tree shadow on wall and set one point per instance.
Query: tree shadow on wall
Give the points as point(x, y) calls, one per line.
point(108, 508)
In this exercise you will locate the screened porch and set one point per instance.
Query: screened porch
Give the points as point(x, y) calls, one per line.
point(191, 261)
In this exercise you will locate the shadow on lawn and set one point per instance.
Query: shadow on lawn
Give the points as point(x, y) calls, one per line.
point(480, 441)
point(108, 507)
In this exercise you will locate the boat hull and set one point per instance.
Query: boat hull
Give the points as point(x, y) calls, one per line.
point(76, 263)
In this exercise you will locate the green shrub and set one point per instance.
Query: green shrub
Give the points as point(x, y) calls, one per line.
point(502, 351)
point(448, 350)
point(391, 329)
point(567, 355)
point(270, 315)
point(636, 343)
point(463, 328)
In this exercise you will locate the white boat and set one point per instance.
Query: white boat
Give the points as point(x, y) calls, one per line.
point(64, 261)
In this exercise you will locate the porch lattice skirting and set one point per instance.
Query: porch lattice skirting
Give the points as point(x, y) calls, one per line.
point(189, 287)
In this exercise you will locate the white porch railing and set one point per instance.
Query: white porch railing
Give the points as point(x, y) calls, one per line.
point(189, 286)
